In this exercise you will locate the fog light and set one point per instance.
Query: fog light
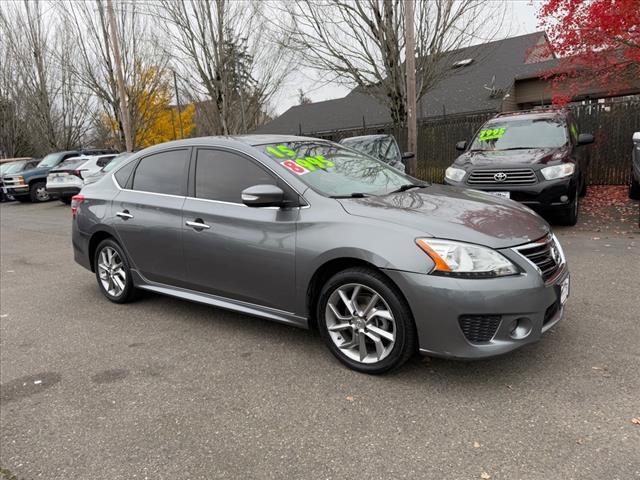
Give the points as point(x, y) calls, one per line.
point(564, 199)
point(520, 328)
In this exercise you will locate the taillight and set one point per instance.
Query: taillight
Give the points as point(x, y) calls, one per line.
point(77, 173)
point(76, 200)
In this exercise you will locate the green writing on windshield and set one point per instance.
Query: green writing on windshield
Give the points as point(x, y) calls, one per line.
point(308, 162)
point(491, 134)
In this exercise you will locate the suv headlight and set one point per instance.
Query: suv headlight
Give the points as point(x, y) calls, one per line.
point(457, 259)
point(558, 171)
point(455, 174)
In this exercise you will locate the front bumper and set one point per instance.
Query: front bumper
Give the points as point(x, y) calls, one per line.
point(21, 190)
point(439, 303)
point(546, 194)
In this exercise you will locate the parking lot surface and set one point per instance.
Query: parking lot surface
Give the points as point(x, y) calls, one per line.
point(162, 388)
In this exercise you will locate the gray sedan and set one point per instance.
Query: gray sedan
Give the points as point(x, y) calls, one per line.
point(309, 233)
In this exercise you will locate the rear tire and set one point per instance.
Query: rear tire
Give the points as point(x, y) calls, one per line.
point(38, 192)
point(380, 335)
point(634, 189)
point(65, 200)
point(113, 272)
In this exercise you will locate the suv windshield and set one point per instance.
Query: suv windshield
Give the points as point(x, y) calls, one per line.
point(506, 134)
point(334, 170)
point(50, 160)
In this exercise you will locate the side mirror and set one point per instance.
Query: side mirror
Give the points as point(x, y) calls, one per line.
point(103, 162)
point(263, 196)
point(407, 156)
point(462, 145)
point(585, 139)
point(636, 137)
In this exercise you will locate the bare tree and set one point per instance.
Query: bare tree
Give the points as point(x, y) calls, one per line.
point(223, 51)
point(362, 43)
point(144, 60)
point(45, 98)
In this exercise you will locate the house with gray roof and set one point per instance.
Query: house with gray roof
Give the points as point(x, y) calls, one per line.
point(478, 78)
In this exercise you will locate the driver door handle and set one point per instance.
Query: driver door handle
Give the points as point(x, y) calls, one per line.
point(198, 224)
point(124, 214)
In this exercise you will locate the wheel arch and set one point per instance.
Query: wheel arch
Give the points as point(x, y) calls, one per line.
point(94, 241)
point(328, 269)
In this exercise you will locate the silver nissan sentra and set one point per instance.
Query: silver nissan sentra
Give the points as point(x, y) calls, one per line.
point(309, 233)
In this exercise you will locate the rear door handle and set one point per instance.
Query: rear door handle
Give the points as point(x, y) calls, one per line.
point(198, 224)
point(124, 214)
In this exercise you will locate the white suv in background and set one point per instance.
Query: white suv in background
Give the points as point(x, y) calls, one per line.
point(67, 179)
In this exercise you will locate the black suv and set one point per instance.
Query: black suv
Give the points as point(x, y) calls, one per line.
point(534, 157)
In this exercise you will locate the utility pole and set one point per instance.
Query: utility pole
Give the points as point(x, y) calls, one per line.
point(410, 67)
point(122, 93)
point(175, 84)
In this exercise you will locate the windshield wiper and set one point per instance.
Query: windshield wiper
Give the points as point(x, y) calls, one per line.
point(409, 186)
point(351, 195)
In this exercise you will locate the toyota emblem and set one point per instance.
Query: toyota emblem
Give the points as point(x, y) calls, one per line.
point(500, 177)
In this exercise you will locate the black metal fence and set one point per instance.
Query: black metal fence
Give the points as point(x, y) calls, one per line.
point(612, 123)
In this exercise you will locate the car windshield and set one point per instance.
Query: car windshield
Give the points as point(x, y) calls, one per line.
point(509, 134)
point(13, 167)
point(334, 170)
point(116, 161)
point(50, 160)
point(383, 148)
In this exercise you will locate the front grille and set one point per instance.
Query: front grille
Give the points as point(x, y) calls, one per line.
point(505, 176)
point(479, 328)
point(545, 255)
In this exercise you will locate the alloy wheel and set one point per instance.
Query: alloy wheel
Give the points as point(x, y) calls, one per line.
point(360, 323)
point(41, 194)
point(111, 271)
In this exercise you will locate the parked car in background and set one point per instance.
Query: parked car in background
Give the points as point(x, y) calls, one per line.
point(67, 179)
point(310, 233)
point(383, 147)
point(535, 157)
point(31, 184)
point(117, 160)
point(13, 168)
point(634, 185)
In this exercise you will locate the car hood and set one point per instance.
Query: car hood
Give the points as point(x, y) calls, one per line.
point(456, 214)
point(530, 156)
point(30, 172)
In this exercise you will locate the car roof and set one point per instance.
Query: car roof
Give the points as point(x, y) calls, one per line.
point(532, 114)
point(368, 137)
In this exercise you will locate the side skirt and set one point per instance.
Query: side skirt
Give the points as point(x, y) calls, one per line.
point(220, 302)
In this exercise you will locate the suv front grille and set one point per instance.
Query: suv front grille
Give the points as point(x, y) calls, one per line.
point(479, 328)
point(505, 176)
point(544, 254)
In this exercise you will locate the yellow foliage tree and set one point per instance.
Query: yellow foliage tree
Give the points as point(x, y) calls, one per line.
point(153, 119)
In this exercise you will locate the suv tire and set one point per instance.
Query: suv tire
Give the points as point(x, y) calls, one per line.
point(113, 272)
point(390, 335)
point(38, 192)
point(570, 213)
point(634, 189)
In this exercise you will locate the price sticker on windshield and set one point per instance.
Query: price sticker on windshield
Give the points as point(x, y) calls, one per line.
point(491, 134)
point(294, 167)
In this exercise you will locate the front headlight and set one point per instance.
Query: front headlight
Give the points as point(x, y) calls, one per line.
point(558, 171)
point(455, 174)
point(465, 260)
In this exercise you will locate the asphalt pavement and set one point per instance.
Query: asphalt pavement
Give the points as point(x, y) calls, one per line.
point(166, 389)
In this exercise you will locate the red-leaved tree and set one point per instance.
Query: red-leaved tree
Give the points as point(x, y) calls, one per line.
point(597, 42)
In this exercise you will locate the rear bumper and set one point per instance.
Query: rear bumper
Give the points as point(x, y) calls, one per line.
point(548, 194)
point(441, 306)
point(62, 191)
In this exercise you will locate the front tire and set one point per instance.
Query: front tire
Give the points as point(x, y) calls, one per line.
point(113, 272)
point(570, 213)
point(634, 189)
point(38, 192)
point(365, 322)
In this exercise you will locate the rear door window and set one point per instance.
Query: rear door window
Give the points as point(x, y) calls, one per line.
point(164, 172)
point(222, 175)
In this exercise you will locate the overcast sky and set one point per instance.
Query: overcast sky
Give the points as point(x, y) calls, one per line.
point(522, 20)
